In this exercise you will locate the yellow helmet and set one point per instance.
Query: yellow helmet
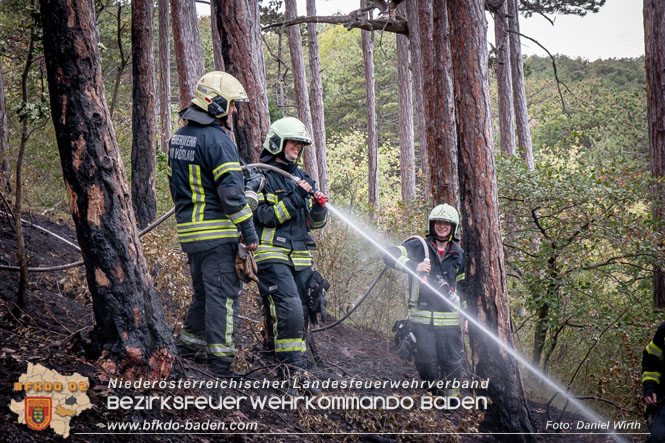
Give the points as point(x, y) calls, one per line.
point(215, 91)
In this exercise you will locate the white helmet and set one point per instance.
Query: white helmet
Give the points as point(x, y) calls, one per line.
point(216, 90)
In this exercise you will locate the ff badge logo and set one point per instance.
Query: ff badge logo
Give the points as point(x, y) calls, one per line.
point(38, 412)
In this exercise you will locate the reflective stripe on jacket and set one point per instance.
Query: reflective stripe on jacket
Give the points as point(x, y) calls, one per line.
point(207, 187)
point(283, 227)
point(653, 364)
point(425, 306)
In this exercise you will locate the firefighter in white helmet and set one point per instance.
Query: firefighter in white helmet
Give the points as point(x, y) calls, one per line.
point(207, 187)
point(432, 331)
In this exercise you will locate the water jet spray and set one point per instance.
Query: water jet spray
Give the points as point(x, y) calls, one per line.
point(588, 413)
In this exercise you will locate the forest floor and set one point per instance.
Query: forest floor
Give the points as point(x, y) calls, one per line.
point(59, 316)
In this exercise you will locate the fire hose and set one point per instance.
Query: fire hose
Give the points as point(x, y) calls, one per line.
point(295, 180)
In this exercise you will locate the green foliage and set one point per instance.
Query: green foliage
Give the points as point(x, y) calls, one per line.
point(573, 7)
point(580, 247)
point(343, 77)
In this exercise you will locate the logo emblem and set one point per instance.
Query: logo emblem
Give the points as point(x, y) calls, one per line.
point(38, 412)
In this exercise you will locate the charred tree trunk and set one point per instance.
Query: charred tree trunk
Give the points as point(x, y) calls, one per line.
point(417, 69)
point(405, 100)
point(318, 114)
point(164, 74)
point(131, 332)
point(188, 53)
point(517, 74)
point(300, 85)
point(143, 115)
point(654, 58)
point(239, 30)
point(485, 273)
point(440, 107)
point(504, 82)
point(370, 106)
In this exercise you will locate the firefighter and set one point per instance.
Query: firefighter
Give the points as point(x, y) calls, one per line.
point(434, 324)
point(285, 215)
point(652, 371)
point(206, 185)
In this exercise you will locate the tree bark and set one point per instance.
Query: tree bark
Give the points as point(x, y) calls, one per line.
point(417, 69)
point(654, 59)
point(517, 74)
point(504, 82)
point(440, 107)
point(239, 28)
point(123, 60)
point(131, 332)
point(164, 74)
point(188, 53)
point(300, 86)
point(5, 180)
point(318, 114)
point(370, 106)
point(144, 160)
point(21, 255)
point(217, 50)
point(405, 100)
point(485, 272)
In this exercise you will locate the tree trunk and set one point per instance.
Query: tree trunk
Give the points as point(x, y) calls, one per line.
point(300, 85)
point(370, 107)
point(123, 60)
point(440, 110)
point(144, 201)
point(217, 50)
point(164, 74)
point(504, 82)
point(318, 115)
point(5, 180)
point(131, 332)
point(21, 255)
point(517, 73)
point(417, 69)
point(654, 59)
point(188, 53)
point(239, 28)
point(485, 273)
point(405, 100)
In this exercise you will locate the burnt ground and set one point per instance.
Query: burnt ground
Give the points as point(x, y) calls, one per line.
point(58, 318)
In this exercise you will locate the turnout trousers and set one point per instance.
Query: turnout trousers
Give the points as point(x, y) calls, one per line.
point(657, 427)
point(283, 289)
point(213, 313)
point(438, 352)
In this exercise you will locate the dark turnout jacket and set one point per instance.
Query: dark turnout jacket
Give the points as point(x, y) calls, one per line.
point(285, 216)
point(425, 306)
point(207, 187)
point(652, 364)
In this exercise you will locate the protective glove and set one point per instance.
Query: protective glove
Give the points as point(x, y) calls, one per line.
point(405, 339)
point(245, 265)
point(316, 297)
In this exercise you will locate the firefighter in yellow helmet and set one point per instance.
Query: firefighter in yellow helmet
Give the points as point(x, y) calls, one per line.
point(286, 213)
point(206, 185)
point(432, 333)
